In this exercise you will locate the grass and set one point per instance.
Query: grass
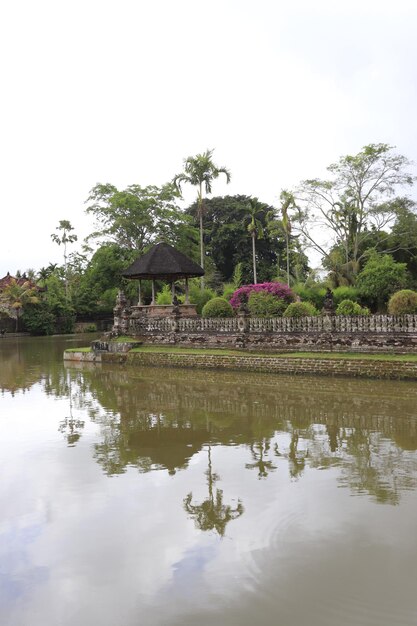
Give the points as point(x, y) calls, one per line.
point(406, 358)
point(199, 351)
point(124, 339)
point(297, 355)
point(86, 349)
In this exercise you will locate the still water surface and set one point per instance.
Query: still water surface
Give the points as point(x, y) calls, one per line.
point(159, 497)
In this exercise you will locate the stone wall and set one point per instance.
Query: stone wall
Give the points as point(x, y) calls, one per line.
point(373, 333)
point(362, 368)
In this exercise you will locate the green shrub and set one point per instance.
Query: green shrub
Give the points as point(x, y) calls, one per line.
point(264, 304)
point(199, 296)
point(164, 296)
point(91, 328)
point(314, 294)
point(403, 302)
point(348, 307)
point(217, 307)
point(107, 300)
point(300, 309)
point(64, 324)
point(38, 319)
point(345, 293)
point(381, 278)
point(228, 291)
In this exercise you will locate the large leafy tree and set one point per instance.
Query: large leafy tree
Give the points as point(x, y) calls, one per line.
point(102, 277)
point(226, 240)
point(136, 217)
point(357, 200)
point(402, 240)
point(200, 171)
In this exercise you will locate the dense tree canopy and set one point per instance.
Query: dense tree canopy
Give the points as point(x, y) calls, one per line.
point(357, 218)
point(355, 202)
point(136, 217)
point(228, 241)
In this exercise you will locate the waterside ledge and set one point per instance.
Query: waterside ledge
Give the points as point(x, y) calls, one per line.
point(280, 364)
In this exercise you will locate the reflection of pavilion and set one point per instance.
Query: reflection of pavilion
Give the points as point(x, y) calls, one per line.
point(163, 262)
point(167, 445)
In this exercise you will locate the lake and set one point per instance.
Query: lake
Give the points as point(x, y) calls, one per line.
point(160, 497)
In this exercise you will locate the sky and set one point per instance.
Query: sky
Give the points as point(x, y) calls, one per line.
point(121, 92)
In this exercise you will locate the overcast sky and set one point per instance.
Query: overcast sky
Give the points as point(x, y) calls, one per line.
point(122, 91)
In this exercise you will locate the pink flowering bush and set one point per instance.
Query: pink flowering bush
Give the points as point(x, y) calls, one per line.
point(279, 290)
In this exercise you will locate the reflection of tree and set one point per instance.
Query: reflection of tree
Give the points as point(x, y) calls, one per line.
point(296, 459)
point(15, 372)
point(375, 465)
point(150, 421)
point(147, 441)
point(259, 451)
point(212, 514)
point(71, 429)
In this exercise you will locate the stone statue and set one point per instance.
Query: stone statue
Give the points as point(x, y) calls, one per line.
point(328, 303)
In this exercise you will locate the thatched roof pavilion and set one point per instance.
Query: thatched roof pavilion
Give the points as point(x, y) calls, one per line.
point(163, 262)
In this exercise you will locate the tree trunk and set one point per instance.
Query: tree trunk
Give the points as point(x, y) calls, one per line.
point(288, 258)
point(254, 259)
point(200, 210)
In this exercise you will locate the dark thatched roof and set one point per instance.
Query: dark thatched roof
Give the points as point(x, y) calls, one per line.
point(164, 262)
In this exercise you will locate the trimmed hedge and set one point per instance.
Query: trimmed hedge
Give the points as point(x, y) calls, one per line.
point(403, 302)
point(300, 309)
point(348, 307)
point(264, 304)
point(217, 307)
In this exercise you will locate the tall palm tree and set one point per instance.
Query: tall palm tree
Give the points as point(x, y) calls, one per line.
point(256, 211)
point(287, 201)
point(66, 237)
point(43, 274)
point(200, 171)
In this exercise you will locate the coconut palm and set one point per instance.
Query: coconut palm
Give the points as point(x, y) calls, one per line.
point(287, 201)
point(43, 274)
point(200, 171)
point(66, 237)
point(256, 212)
point(17, 295)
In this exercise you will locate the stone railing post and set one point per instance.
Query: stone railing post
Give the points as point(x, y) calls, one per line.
point(174, 322)
point(243, 321)
point(125, 321)
point(243, 328)
point(121, 315)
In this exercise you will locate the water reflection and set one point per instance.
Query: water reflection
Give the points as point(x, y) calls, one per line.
point(176, 497)
point(159, 419)
point(212, 513)
point(260, 451)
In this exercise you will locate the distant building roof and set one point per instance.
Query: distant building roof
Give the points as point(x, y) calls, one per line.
point(6, 280)
point(164, 262)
